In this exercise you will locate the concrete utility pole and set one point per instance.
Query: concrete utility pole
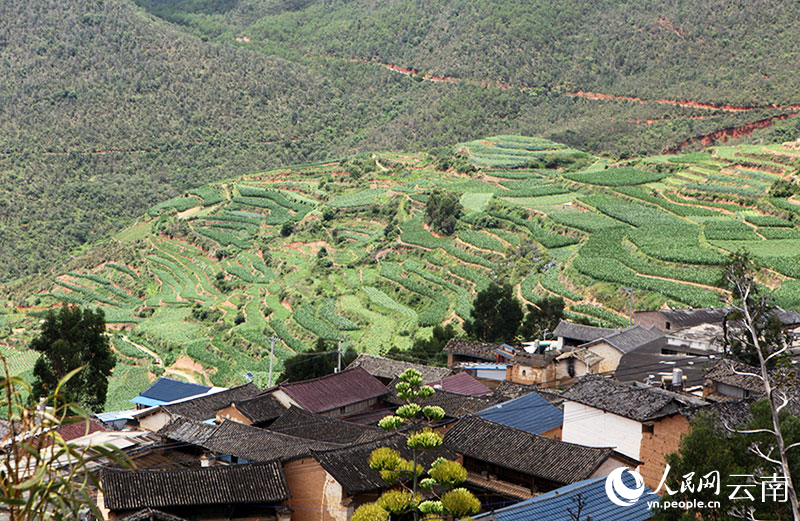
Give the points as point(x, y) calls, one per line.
point(272, 339)
point(339, 355)
point(629, 291)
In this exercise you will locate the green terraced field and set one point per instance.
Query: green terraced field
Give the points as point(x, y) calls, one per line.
point(303, 253)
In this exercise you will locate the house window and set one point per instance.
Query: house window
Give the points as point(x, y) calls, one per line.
point(524, 372)
point(667, 326)
point(647, 428)
point(571, 367)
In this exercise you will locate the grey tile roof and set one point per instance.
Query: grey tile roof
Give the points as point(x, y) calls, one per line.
point(150, 514)
point(350, 465)
point(731, 413)
point(639, 403)
point(220, 485)
point(243, 441)
point(205, 407)
point(381, 367)
point(646, 360)
point(580, 332)
point(260, 409)
point(524, 452)
point(629, 339)
point(680, 318)
point(510, 390)
point(724, 372)
point(303, 424)
point(472, 348)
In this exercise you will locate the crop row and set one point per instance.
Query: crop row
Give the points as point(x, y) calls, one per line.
point(180, 204)
point(723, 189)
point(766, 220)
point(729, 229)
point(327, 311)
point(615, 177)
point(90, 295)
point(677, 209)
point(779, 233)
point(283, 333)
point(354, 200)
point(549, 281)
point(679, 244)
point(277, 213)
point(414, 233)
point(481, 240)
point(123, 269)
point(304, 315)
point(601, 313)
point(543, 236)
point(588, 319)
point(436, 312)
point(636, 214)
point(278, 197)
point(222, 237)
point(208, 195)
point(611, 270)
point(587, 221)
point(382, 300)
point(610, 245)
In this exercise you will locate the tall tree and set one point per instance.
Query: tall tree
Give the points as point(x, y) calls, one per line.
point(70, 339)
point(496, 315)
point(754, 334)
point(442, 211)
point(545, 316)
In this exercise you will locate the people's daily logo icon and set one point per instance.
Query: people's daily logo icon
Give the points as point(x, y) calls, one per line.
point(619, 493)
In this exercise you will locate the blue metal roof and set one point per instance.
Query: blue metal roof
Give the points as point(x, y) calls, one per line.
point(529, 413)
point(165, 390)
point(556, 504)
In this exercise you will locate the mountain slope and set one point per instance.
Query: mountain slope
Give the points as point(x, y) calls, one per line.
point(339, 250)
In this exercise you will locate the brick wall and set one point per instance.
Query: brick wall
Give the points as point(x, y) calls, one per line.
point(665, 438)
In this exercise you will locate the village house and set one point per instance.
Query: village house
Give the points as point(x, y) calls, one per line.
point(350, 392)
point(723, 381)
point(611, 348)
point(570, 334)
point(461, 383)
point(531, 368)
point(676, 319)
point(459, 350)
point(641, 422)
point(386, 369)
point(256, 491)
point(504, 462)
point(200, 408)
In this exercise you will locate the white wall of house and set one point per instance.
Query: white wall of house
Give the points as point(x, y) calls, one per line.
point(595, 428)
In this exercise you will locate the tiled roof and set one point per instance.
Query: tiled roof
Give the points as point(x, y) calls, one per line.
point(79, 429)
point(260, 409)
point(530, 413)
point(308, 425)
point(524, 452)
point(580, 332)
point(639, 403)
point(472, 348)
point(680, 318)
point(166, 390)
point(560, 504)
point(218, 485)
point(350, 465)
point(381, 367)
point(254, 444)
point(510, 390)
point(501, 487)
point(462, 383)
point(240, 440)
point(724, 372)
point(188, 431)
point(535, 360)
point(630, 338)
point(584, 355)
point(730, 413)
point(335, 390)
point(206, 406)
point(646, 360)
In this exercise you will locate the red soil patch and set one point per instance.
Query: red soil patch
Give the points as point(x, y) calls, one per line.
point(725, 134)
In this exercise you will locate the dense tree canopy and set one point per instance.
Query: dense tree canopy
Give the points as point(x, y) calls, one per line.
point(442, 211)
point(71, 338)
point(316, 362)
point(496, 315)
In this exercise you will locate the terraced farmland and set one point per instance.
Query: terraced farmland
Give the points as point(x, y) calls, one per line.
point(204, 283)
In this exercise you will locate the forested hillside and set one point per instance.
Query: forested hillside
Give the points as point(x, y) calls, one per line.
point(109, 107)
point(364, 250)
